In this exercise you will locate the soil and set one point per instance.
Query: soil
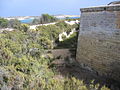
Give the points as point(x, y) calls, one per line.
point(74, 69)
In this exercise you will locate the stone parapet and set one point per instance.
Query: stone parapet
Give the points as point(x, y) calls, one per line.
point(101, 8)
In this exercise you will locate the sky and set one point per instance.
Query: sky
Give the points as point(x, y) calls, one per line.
point(52, 7)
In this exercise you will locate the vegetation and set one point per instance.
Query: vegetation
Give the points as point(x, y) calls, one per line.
point(24, 62)
point(70, 42)
point(72, 19)
point(50, 34)
point(3, 23)
point(36, 21)
point(23, 65)
point(24, 27)
point(14, 23)
point(45, 18)
point(66, 27)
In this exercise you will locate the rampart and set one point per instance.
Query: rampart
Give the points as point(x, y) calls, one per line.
point(99, 40)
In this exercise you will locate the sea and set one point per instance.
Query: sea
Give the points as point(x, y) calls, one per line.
point(29, 20)
point(70, 18)
point(74, 17)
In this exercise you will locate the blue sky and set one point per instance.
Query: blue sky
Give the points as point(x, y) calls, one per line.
point(53, 7)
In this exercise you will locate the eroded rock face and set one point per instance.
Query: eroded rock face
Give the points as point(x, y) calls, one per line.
point(99, 40)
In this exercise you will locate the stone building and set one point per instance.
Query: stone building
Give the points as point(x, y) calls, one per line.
point(99, 40)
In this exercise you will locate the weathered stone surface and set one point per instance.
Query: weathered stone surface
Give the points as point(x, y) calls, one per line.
point(99, 40)
point(102, 8)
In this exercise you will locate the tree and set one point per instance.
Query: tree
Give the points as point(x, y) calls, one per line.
point(46, 18)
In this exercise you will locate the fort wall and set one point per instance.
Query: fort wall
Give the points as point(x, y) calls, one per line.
point(99, 40)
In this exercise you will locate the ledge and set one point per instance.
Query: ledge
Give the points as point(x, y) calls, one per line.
point(101, 8)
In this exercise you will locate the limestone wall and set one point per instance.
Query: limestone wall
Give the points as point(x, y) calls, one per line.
point(99, 40)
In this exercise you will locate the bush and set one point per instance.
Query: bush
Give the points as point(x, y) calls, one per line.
point(25, 66)
point(3, 23)
point(70, 42)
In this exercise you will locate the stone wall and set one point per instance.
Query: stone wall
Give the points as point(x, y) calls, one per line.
point(99, 40)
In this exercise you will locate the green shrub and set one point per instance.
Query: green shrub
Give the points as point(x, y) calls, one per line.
point(25, 66)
